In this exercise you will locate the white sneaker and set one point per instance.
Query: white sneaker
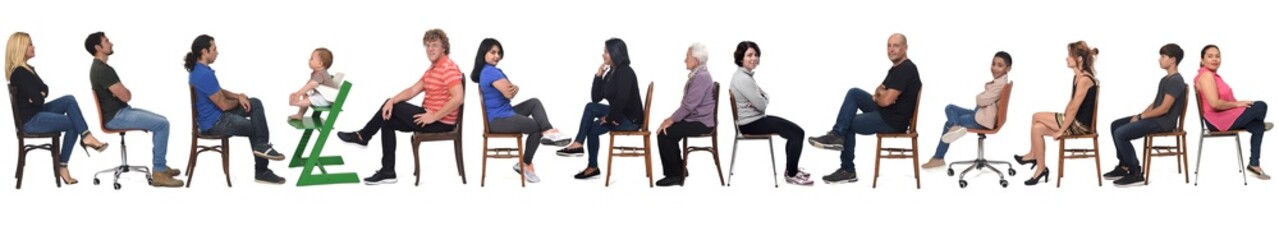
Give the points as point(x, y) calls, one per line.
point(530, 176)
point(556, 139)
point(1269, 125)
point(801, 178)
point(954, 134)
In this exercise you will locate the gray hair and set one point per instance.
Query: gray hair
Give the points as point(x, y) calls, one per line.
point(700, 53)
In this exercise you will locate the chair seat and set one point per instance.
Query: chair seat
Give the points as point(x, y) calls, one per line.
point(1090, 135)
point(1224, 133)
point(702, 135)
point(897, 135)
point(983, 131)
point(210, 136)
point(630, 133)
point(503, 135)
point(41, 135)
point(430, 136)
point(1166, 134)
point(755, 136)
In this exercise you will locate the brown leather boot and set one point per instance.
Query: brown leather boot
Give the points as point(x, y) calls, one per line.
point(163, 179)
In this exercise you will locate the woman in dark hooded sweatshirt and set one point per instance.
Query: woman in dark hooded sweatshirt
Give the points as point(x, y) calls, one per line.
point(615, 81)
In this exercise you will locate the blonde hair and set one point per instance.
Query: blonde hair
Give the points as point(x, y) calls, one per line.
point(16, 53)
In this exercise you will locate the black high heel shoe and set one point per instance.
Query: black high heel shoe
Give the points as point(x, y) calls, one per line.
point(1035, 180)
point(1022, 161)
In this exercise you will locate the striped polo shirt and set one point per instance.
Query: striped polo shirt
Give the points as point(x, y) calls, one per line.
point(444, 74)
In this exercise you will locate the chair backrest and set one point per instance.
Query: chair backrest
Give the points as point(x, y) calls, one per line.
point(102, 123)
point(914, 119)
point(338, 102)
point(195, 122)
point(13, 104)
point(732, 103)
point(1096, 104)
point(1181, 119)
point(1199, 104)
point(461, 109)
point(484, 114)
point(715, 113)
point(648, 104)
point(1004, 96)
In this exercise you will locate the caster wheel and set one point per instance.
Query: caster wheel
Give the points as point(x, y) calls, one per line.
point(117, 186)
point(1003, 183)
point(950, 172)
point(963, 184)
point(1012, 172)
point(96, 181)
point(980, 167)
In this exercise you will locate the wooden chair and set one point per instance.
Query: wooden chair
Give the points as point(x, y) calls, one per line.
point(223, 148)
point(1205, 132)
point(456, 136)
point(738, 136)
point(900, 153)
point(714, 135)
point(1064, 153)
point(629, 151)
point(53, 146)
point(1178, 149)
point(124, 156)
point(504, 153)
point(981, 162)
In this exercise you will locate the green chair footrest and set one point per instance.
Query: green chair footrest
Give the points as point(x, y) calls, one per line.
point(307, 123)
point(331, 178)
point(324, 161)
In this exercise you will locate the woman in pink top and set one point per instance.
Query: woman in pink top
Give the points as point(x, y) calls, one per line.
point(1223, 112)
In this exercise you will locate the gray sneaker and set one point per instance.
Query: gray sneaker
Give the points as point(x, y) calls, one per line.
point(1269, 125)
point(828, 141)
point(530, 176)
point(840, 176)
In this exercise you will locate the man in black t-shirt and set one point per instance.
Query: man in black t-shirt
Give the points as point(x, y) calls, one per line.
point(113, 100)
point(1160, 116)
point(889, 110)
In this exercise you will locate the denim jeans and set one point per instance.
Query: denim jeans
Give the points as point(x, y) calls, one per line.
point(956, 116)
point(132, 118)
point(60, 115)
point(849, 124)
point(1124, 131)
point(590, 130)
point(252, 124)
point(1253, 119)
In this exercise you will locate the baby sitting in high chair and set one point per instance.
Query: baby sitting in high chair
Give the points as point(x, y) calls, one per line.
point(309, 95)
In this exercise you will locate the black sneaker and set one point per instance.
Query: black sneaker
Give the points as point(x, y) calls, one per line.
point(1116, 174)
point(269, 153)
point(666, 182)
point(352, 137)
point(841, 176)
point(828, 141)
point(593, 172)
point(1133, 179)
point(380, 177)
point(268, 177)
point(570, 152)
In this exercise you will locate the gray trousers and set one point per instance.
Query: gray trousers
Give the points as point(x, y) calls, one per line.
point(530, 119)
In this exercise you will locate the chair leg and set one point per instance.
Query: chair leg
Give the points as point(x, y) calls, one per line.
point(1145, 160)
point(417, 162)
point(457, 152)
point(484, 162)
point(914, 153)
point(1061, 160)
point(772, 156)
point(226, 160)
point(1199, 158)
point(22, 161)
point(1239, 152)
point(191, 162)
point(715, 154)
point(879, 142)
point(732, 162)
point(57, 158)
point(1096, 155)
point(1185, 160)
point(519, 156)
point(608, 176)
point(648, 160)
point(685, 150)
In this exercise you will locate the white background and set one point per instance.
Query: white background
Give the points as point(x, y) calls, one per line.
point(812, 52)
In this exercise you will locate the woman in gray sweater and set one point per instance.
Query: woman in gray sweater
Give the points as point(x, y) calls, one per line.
point(751, 103)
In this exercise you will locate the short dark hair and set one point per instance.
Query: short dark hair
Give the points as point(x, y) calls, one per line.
point(91, 42)
point(1174, 51)
point(741, 51)
point(1008, 59)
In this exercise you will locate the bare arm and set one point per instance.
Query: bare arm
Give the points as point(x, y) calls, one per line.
point(1072, 108)
point(1156, 111)
point(121, 92)
point(407, 93)
point(1208, 87)
point(455, 100)
point(226, 100)
point(889, 97)
point(308, 87)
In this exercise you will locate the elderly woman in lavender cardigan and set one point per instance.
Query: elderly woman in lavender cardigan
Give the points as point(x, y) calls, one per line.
point(695, 116)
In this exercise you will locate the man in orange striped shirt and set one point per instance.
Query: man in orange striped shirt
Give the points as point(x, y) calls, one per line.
point(442, 84)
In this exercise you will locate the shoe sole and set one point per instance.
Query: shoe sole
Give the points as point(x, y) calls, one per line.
point(557, 143)
point(269, 182)
point(817, 144)
point(1135, 184)
point(951, 137)
point(840, 181)
point(568, 154)
point(272, 158)
point(1113, 178)
point(384, 181)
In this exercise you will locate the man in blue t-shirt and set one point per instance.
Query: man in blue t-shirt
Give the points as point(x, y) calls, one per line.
point(223, 112)
point(889, 110)
point(1160, 116)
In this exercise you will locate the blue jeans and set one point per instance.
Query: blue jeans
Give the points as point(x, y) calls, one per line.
point(1124, 131)
point(590, 130)
point(955, 115)
point(132, 118)
point(849, 124)
point(1253, 119)
point(60, 115)
point(252, 124)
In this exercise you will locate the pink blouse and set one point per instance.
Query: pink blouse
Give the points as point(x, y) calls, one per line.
point(1221, 119)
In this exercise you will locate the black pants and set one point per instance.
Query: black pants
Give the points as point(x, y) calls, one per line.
point(668, 145)
point(401, 120)
point(1253, 119)
point(793, 134)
